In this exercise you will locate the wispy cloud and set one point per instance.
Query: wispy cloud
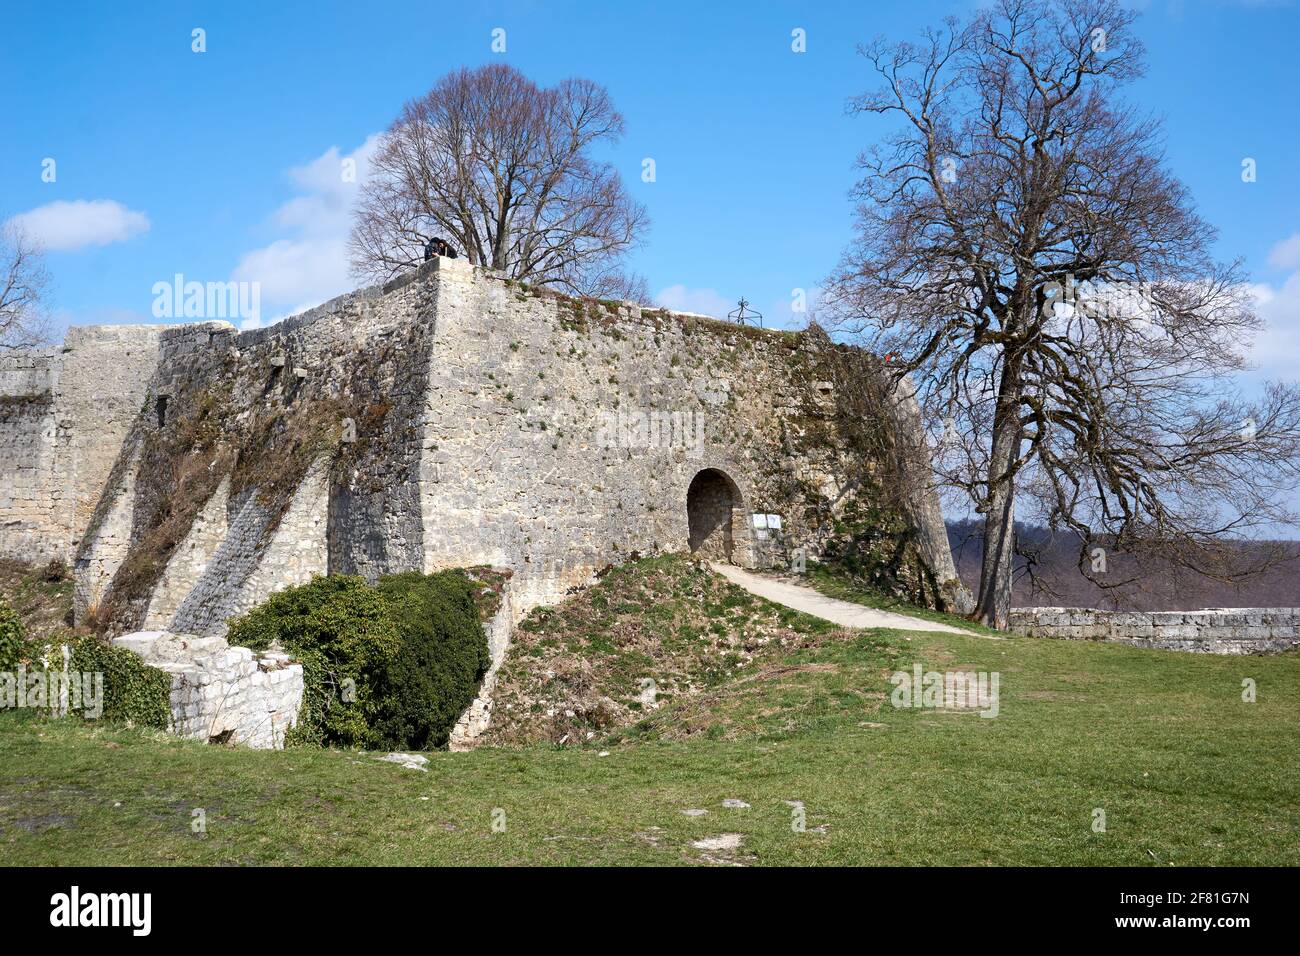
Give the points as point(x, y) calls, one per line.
point(1286, 254)
point(309, 265)
point(1276, 350)
point(63, 226)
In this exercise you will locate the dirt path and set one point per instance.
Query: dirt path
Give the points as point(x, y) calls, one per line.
point(844, 613)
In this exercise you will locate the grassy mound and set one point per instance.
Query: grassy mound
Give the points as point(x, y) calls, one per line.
point(41, 596)
point(654, 637)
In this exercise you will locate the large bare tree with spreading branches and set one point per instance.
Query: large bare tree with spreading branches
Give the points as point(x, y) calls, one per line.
point(23, 286)
point(507, 171)
point(1023, 253)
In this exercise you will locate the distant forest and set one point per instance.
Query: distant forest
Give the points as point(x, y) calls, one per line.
point(1048, 574)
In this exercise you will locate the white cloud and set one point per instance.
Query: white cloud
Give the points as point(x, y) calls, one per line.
point(1286, 254)
point(1276, 350)
point(305, 270)
point(310, 264)
point(62, 226)
point(700, 301)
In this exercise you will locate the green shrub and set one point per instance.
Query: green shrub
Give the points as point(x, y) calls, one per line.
point(133, 691)
point(410, 651)
point(12, 639)
point(341, 632)
point(443, 658)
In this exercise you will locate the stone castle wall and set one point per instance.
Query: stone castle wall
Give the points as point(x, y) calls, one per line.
point(449, 418)
point(64, 414)
point(32, 487)
point(240, 573)
point(334, 364)
point(190, 560)
point(1225, 630)
point(581, 427)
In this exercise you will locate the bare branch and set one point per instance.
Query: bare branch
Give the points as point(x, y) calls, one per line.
point(504, 170)
point(1047, 283)
point(24, 285)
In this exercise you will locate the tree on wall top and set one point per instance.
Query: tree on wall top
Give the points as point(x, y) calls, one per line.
point(505, 169)
point(1022, 252)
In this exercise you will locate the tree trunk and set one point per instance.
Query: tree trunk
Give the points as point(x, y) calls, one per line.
point(993, 607)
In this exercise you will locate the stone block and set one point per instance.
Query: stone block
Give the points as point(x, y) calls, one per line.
point(140, 643)
point(216, 687)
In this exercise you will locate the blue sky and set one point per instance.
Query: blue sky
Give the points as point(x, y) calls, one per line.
point(224, 164)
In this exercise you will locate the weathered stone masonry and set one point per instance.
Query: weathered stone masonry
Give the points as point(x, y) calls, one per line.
point(448, 419)
point(541, 447)
point(64, 414)
point(221, 693)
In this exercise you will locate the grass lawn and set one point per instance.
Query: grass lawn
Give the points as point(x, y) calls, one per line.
point(1186, 772)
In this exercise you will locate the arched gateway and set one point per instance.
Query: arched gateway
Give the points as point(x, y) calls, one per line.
point(715, 513)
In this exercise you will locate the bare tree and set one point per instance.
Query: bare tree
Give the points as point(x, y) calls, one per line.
point(23, 285)
point(505, 170)
point(1022, 252)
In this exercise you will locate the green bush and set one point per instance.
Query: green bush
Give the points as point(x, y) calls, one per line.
point(133, 691)
point(17, 646)
point(390, 666)
point(443, 658)
point(341, 632)
point(12, 638)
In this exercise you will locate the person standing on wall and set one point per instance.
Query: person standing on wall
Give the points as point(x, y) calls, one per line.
point(438, 247)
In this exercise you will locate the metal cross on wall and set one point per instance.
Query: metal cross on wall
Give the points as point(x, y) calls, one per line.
point(745, 314)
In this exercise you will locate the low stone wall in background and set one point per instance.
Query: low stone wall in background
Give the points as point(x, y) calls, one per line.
point(220, 693)
point(1216, 630)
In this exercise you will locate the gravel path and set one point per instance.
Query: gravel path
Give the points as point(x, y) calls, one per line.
point(844, 613)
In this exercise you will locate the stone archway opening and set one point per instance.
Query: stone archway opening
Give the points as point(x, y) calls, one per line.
point(712, 503)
